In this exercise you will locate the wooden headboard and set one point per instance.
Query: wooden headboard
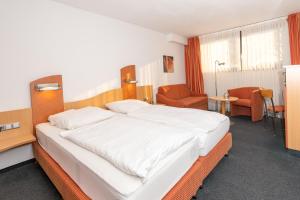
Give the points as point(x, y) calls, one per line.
point(129, 89)
point(45, 103)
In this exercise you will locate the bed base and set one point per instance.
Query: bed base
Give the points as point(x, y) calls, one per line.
point(185, 188)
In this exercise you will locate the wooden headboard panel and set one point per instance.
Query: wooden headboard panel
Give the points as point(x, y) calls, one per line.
point(45, 103)
point(129, 89)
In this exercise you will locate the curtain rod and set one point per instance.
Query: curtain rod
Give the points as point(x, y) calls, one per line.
point(237, 27)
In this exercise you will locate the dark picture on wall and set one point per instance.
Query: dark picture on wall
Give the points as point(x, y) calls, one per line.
point(168, 64)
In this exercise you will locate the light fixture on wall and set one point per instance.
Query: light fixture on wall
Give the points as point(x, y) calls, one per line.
point(47, 86)
point(129, 80)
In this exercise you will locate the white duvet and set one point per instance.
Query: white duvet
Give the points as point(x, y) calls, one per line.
point(132, 145)
point(187, 118)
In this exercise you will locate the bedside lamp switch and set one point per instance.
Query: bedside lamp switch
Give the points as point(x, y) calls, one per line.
point(5, 127)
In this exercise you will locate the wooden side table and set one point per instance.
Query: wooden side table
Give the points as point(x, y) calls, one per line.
point(9, 141)
point(223, 101)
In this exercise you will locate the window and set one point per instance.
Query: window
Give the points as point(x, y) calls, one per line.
point(256, 47)
point(262, 46)
point(223, 47)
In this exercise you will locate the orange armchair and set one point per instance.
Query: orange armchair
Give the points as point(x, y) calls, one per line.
point(180, 96)
point(250, 102)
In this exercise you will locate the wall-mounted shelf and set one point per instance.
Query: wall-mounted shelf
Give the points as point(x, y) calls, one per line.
point(9, 141)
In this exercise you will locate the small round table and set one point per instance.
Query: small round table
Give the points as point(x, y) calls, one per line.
point(223, 101)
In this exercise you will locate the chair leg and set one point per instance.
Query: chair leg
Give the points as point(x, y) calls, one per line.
point(266, 114)
point(265, 119)
point(282, 123)
point(283, 128)
point(273, 123)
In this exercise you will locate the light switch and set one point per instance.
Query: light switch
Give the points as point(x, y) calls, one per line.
point(16, 125)
point(5, 127)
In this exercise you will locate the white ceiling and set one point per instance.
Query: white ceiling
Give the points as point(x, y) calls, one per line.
point(189, 17)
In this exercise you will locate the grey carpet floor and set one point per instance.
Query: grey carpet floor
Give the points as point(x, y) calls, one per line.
point(258, 168)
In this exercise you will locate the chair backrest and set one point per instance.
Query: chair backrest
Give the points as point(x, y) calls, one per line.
point(243, 92)
point(266, 93)
point(177, 91)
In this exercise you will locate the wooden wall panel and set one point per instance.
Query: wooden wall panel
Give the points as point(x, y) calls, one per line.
point(113, 95)
point(145, 92)
point(100, 100)
point(45, 103)
point(129, 89)
point(15, 137)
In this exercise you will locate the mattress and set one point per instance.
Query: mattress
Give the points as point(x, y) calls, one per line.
point(211, 139)
point(101, 180)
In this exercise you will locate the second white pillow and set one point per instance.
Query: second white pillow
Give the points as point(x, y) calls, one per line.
point(126, 106)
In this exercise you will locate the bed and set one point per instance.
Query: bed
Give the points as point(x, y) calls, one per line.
point(178, 177)
point(210, 127)
point(79, 162)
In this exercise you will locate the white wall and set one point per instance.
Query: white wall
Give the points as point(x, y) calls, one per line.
point(15, 156)
point(42, 37)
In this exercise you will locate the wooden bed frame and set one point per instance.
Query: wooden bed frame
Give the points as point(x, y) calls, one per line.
point(184, 189)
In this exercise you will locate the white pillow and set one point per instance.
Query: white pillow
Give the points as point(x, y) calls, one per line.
point(58, 119)
point(126, 106)
point(77, 118)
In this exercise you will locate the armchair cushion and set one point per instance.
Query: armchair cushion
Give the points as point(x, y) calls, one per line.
point(242, 93)
point(243, 102)
point(178, 91)
point(189, 101)
point(250, 102)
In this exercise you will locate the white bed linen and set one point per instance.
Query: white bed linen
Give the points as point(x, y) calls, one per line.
point(210, 140)
point(210, 127)
point(188, 118)
point(101, 180)
point(132, 145)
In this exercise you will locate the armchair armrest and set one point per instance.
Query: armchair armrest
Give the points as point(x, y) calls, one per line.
point(165, 100)
point(257, 105)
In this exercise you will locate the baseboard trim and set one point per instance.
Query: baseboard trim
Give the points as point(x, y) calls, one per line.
point(17, 165)
point(294, 152)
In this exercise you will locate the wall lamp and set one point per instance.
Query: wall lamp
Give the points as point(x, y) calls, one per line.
point(129, 81)
point(47, 86)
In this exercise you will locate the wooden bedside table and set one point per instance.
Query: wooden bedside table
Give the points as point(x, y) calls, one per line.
point(12, 140)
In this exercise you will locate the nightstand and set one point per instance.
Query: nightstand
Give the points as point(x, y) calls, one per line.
point(13, 140)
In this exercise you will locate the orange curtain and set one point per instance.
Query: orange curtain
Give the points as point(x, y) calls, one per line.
point(294, 32)
point(194, 77)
